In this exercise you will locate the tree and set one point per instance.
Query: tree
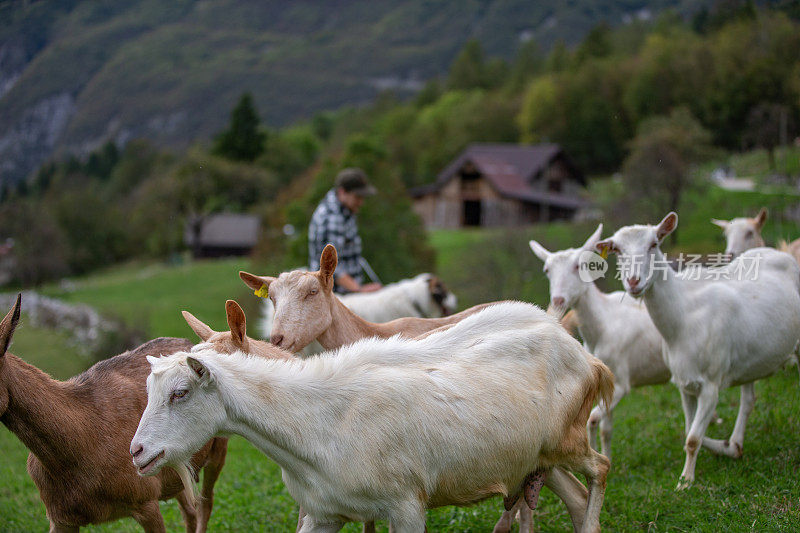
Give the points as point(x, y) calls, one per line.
point(470, 69)
point(597, 43)
point(528, 62)
point(767, 124)
point(39, 251)
point(242, 140)
point(657, 171)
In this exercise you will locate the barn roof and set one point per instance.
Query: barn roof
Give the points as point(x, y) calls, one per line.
point(511, 168)
point(227, 230)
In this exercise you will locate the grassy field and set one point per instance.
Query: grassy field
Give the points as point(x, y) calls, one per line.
point(757, 493)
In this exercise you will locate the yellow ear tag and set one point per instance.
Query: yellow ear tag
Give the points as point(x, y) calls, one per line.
point(262, 292)
point(604, 252)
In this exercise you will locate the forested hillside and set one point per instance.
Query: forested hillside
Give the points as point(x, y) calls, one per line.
point(653, 102)
point(76, 73)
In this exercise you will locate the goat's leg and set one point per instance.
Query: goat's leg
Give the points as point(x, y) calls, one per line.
point(706, 403)
point(734, 446)
point(507, 518)
point(55, 528)
point(300, 515)
point(571, 491)
point(310, 525)
point(188, 512)
point(595, 467)
point(797, 356)
point(369, 527)
point(525, 517)
point(409, 517)
point(689, 404)
point(216, 460)
point(149, 517)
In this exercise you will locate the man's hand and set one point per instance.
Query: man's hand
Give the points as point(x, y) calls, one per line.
point(370, 287)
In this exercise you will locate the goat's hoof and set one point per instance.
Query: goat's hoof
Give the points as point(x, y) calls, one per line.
point(684, 483)
point(738, 451)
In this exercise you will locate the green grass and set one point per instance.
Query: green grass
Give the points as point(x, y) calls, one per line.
point(151, 296)
point(757, 493)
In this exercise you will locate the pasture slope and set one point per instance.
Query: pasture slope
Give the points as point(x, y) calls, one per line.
point(758, 493)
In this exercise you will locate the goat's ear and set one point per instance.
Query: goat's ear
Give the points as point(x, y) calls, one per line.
point(593, 239)
point(604, 247)
point(9, 324)
point(721, 223)
point(255, 282)
point(238, 324)
point(667, 225)
point(540, 251)
point(327, 266)
point(761, 217)
point(152, 359)
point(203, 330)
point(200, 370)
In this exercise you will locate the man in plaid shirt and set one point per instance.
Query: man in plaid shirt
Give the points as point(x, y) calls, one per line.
point(334, 222)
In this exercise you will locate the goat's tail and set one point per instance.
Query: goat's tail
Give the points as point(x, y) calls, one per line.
point(605, 381)
point(601, 385)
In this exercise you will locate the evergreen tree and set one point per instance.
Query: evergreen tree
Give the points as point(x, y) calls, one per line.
point(469, 68)
point(242, 140)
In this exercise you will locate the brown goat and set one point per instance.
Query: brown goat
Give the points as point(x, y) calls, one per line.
point(79, 432)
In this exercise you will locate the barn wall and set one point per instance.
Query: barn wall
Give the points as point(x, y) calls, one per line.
point(558, 170)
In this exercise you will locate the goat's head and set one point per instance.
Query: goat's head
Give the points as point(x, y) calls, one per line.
point(741, 234)
point(222, 341)
point(303, 302)
point(7, 327)
point(184, 410)
point(235, 340)
point(562, 268)
point(444, 300)
point(640, 258)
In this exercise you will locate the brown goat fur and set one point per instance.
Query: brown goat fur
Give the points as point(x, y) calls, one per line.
point(79, 432)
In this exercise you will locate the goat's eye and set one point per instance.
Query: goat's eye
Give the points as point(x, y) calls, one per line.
point(576, 267)
point(178, 394)
point(545, 270)
point(750, 234)
point(653, 245)
point(312, 292)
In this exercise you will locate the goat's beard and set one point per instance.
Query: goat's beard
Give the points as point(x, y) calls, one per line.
point(187, 474)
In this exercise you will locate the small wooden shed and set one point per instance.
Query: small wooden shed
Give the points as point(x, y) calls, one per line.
point(223, 234)
point(502, 185)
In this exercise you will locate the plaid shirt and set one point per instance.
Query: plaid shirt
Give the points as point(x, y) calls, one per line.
point(335, 224)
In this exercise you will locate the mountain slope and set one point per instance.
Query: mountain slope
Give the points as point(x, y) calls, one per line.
point(76, 73)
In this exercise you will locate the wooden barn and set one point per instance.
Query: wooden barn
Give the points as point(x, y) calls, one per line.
point(222, 235)
point(502, 185)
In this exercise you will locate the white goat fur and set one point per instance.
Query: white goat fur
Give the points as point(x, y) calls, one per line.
point(717, 333)
point(461, 415)
point(397, 300)
point(615, 328)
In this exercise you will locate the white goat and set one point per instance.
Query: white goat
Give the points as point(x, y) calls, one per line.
point(742, 234)
point(463, 414)
point(727, 329)
point(423, 296)
point(615, 329)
